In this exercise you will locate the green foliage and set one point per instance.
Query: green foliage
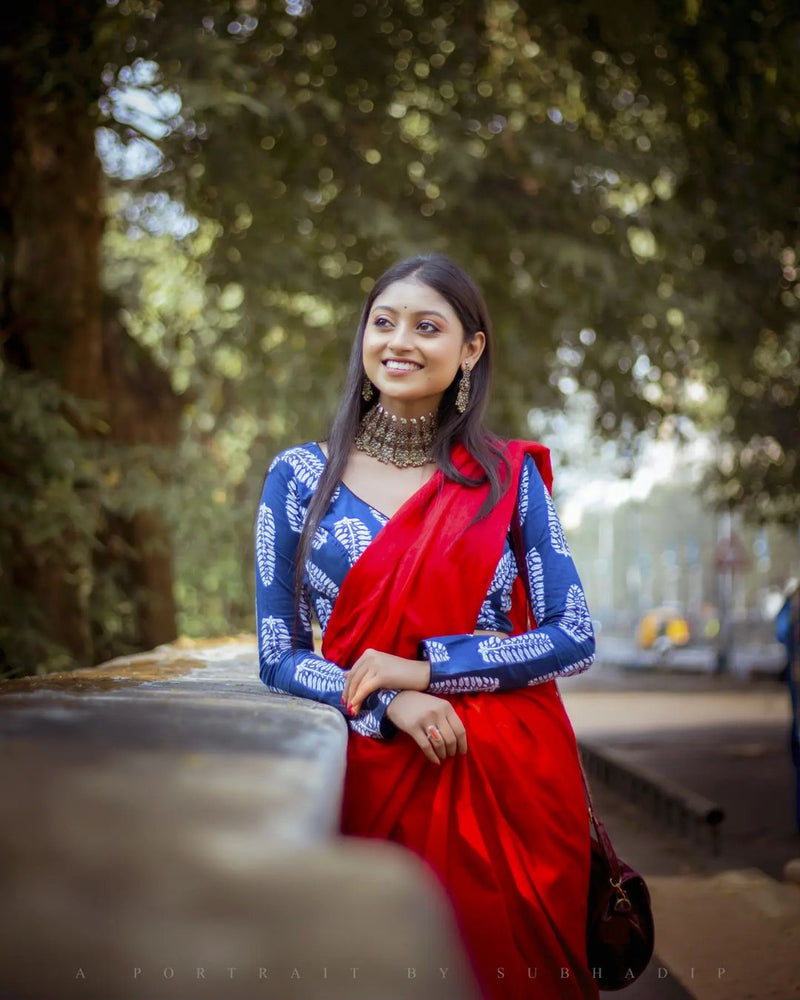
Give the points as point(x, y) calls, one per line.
point(45, 468)
point(620, 178)
point(60, 491)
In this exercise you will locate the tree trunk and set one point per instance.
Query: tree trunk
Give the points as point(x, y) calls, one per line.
point(51, 282)
point(143, 409)
point(51, 309)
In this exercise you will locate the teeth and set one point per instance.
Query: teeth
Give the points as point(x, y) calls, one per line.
point(401, 366)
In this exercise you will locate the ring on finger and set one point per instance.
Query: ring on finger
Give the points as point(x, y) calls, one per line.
point(433, 734)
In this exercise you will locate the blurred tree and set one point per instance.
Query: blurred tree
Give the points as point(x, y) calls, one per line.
point(722, 76)
point(85, 380)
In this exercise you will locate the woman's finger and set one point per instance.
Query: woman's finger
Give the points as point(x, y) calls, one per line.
point(351, 682)
point(425, 745)
point(362, 688)
point(449, 737)
point(459, 731)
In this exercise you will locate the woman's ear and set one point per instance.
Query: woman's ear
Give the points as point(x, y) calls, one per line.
point(474, 348)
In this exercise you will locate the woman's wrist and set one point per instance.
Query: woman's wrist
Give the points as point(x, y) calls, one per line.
point(425, 674)
point(401, 695)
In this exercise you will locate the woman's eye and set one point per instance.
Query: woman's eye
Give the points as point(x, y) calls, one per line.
point(427, 327)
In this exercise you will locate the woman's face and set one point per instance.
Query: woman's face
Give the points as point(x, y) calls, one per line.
point(414, 346)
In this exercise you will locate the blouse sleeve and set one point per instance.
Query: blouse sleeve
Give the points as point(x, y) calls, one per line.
point(294, 667)
point(563, 641)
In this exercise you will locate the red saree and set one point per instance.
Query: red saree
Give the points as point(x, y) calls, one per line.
point(504, 827)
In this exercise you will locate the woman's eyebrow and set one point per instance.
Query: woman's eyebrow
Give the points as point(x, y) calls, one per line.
point(418, 312)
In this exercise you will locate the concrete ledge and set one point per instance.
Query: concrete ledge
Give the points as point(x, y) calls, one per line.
point(345, 919)
point(166, 813)
point(151, 736)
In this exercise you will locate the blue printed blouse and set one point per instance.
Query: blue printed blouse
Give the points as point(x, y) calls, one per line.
point(562, 644)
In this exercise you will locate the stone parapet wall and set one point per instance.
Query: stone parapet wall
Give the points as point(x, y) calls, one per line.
point(171, 830)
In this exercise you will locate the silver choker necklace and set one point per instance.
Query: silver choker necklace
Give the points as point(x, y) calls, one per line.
point(398, 441)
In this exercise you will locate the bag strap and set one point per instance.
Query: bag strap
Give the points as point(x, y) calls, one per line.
point(602, 836)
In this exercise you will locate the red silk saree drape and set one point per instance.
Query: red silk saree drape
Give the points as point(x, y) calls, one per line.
point(504, 827)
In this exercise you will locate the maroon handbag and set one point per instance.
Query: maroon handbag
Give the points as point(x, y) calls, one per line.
point(620, 933)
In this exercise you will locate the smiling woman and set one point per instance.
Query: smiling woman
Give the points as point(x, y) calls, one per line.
point(397, 535)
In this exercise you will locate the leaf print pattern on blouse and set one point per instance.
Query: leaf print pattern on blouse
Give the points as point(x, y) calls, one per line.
point(578, 667)
point(265, 544)
point(295, 514)
point(437, 651)
point(464, 685)
point(503, 578)
point(321, 582)
point(306, 466)
point(353, 535)
point(516, 648)
point(365, 724)
point(319, 674)
point(487, 618)
point(275, 639)
point(536, 580)
point(522, 500)
point(323, 610)
point(575, 620)
point(557, 539)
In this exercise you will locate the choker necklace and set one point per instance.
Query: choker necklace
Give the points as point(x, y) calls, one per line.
point(395, 440)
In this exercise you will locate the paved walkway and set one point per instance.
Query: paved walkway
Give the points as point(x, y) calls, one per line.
point(726, 738)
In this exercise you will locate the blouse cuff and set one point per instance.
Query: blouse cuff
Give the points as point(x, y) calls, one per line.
point(378, 702)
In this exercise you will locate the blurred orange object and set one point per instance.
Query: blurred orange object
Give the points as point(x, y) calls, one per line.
point(663, 628)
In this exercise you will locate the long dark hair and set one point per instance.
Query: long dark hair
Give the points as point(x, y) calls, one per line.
point(453, 284)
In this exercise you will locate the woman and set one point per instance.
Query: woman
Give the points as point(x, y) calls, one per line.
point(397, 533)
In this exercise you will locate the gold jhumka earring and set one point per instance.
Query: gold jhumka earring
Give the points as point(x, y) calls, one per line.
point(462, 399)
point(366, 390)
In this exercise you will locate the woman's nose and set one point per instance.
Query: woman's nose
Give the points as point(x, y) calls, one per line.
point(401, 335)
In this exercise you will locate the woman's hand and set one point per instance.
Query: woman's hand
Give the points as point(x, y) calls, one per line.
point(374, 670)
point(431, 722)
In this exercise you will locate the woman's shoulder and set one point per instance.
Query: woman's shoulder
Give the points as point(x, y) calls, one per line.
point(534, 461)
point(303, 463)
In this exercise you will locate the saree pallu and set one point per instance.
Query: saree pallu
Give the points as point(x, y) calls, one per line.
point(505, 827)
